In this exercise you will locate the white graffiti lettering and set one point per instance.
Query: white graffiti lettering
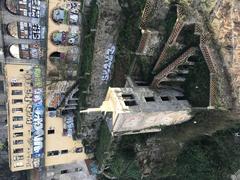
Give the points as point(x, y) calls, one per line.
point(109, 56)
point(37, 115)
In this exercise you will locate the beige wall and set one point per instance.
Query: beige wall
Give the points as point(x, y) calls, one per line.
point(53, 27)
point(53, 142)
point(57, 141)
point(144, 116)
point(13, 73)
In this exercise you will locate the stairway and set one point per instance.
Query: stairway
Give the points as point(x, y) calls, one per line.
point(172, 39)
point(175, 32)
point(145, 37)
point(173, 68)
point(208, 58)
point(149, 7)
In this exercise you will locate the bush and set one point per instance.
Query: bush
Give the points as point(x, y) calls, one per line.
point(104, 143)
point(89, 22)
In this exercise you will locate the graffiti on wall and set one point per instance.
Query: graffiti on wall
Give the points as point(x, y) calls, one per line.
point(73, 6)
point(108, 63)
point(55, 100)
point(30, 30)
point(58, 92)
point(65, 38)
point(68, 124)
point(28, 98)
point(37, 113)
point(37, 77)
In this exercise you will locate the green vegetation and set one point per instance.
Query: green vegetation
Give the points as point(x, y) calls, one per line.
point(202, 147)
point(104, 143)
point(130, 34)
point(189, 38)
point(129, 38)
point(145, 68)
point(210, 157)
point(170, 20)
point(4, 146)
point(172, 53)
point(197, 84)
point(123, 164)
point(196, 87)
point(123, 168)
point(89, 22)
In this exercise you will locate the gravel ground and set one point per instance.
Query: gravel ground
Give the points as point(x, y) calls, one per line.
point(106, 35)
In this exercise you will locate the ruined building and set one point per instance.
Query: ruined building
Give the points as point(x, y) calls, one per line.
point(176, 56)
point(133, 110)
point(141, 106)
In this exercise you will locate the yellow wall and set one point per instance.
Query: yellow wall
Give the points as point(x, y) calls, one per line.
point(13, 73)
point(53, 27)
point(57, 141)
point(54, 141)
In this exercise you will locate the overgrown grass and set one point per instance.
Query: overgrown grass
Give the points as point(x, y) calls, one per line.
point(215, 157)
point(89, 22)
point(170, 21)
point(103, 144)
point(171, 54)
point(123, 164)
point(123, 168)
point(186, 152)
point(129, 38)
point(146, 67)
point(197, 84)
point(188, 39)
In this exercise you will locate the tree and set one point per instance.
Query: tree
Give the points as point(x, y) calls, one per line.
point(121, 169)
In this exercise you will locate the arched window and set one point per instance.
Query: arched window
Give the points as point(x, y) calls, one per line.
point(24, 51)
point(23, 7)
point(58, 38)
point(24, 30)
point(65, 38)
point(59, 15)
point(14, 51)
point(12, 29)
point(73, 18)
point(71, 56)
point(56, 57)
point(11, 6)
point(66, 16)
point(73, 38)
